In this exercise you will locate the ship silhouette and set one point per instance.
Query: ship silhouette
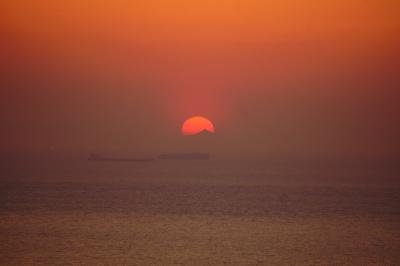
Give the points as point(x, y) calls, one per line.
point(195, 147)
point(185, 156)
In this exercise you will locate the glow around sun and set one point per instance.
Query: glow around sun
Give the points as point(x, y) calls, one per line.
point(197, 124)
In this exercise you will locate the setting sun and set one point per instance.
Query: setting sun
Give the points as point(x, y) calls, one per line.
point(197, 124)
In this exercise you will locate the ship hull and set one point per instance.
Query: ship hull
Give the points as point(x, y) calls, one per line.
point(184, 156)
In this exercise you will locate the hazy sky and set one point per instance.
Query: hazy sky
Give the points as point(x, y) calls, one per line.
point(276, 77)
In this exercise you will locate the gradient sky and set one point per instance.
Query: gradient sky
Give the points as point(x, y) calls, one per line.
point(276, 77)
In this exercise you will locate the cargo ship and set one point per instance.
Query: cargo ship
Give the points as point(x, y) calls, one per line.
point(185, 156)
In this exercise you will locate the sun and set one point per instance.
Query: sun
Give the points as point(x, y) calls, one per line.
point(197, 124)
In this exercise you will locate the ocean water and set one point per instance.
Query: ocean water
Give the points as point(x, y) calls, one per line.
point(216, 212)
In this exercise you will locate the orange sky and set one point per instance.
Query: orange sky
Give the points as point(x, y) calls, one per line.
point(162, 61)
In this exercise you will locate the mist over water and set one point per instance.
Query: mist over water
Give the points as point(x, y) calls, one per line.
point(246, 212)
point(302, 94)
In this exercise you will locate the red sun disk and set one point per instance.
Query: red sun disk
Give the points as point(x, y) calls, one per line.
point(197, 124)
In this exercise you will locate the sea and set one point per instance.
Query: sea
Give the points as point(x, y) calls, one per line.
point(269, 211)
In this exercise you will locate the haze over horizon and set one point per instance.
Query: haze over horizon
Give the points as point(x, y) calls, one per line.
point(276, 77)
point(199, 132)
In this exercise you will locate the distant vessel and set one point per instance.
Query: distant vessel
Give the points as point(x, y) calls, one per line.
point(98, 157)
point(185, 156)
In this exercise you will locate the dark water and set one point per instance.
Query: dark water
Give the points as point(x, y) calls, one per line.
point(63, 212)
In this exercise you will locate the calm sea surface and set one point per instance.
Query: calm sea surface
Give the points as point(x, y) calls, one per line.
point(217, 212)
